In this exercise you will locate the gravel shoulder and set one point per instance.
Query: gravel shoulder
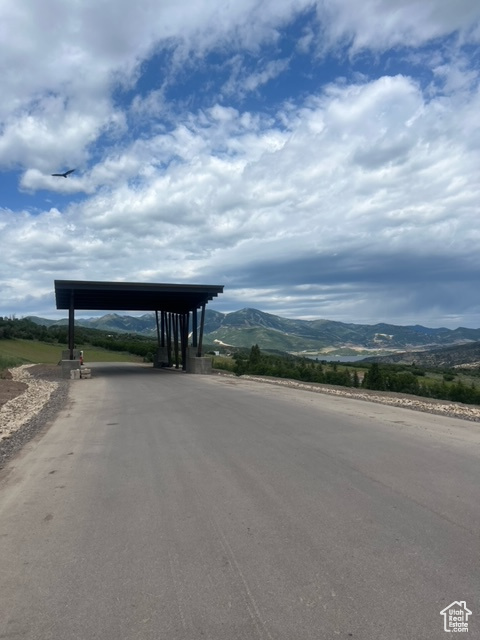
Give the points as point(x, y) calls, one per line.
point(30, 398)
point(416, 403)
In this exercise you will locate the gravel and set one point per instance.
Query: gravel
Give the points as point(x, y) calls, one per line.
point(416, 403)
point(47, 393)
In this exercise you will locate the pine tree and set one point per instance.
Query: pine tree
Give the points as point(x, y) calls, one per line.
point(374, 378)
point(355, 380)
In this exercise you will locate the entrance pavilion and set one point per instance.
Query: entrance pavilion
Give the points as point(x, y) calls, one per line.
point(176, 309)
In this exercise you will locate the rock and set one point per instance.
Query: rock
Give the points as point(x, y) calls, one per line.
point(19, 410)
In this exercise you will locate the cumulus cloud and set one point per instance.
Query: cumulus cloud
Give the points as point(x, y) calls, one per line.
point(383, 24)
point(353, 197)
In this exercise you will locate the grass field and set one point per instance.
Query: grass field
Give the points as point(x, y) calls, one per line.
point(17, 352)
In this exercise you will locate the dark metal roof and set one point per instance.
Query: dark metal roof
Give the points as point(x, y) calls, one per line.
point(133, 296)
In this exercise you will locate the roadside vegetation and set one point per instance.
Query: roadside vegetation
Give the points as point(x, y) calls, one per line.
point(24, 342)
point(9, 362)
point(444, 384)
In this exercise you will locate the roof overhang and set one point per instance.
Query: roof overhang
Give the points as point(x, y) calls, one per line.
point(133, 296)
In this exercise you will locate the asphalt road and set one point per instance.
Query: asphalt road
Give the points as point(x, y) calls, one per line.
point(167, 506)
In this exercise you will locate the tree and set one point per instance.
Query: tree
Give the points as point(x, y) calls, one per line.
point(255, 356)
point(355, 381)
point(374, 378)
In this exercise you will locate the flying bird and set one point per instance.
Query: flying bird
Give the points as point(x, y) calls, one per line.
point(63, 175)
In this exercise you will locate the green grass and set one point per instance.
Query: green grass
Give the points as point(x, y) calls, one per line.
point(431, 378)
point(9, 362)
point(17, 352)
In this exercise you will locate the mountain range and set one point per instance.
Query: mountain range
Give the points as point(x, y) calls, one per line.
point(247, 327)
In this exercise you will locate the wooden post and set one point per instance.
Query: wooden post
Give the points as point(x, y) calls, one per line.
point(185, 323)
point(181, 319)
point(158, 328)
point(202, 324)
point(169, 338)
point(71, 324)
point(175, 338)
point(194, 328)
point(163, 328)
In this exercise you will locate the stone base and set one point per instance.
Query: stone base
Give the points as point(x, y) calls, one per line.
point(199, 365)
point(69, 365)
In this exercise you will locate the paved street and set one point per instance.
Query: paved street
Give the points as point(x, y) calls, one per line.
point(166, 506)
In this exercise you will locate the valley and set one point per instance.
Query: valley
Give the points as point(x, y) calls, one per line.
point(310, 338)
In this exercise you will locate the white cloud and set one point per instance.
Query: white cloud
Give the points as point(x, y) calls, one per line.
point(375, 164)
point(383, 24)
point(60, 62)
point(242, 82)
point(365, 169)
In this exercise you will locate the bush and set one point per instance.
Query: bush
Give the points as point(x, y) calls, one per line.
point(405, 382)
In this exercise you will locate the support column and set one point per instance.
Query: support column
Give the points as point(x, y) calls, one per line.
point(163, 328)
point(70, 356)
point(161, 358)
point(183, 347)
point(196, 363)
point(186, 317)
point(71, 325)
point(158, 328)
point(175, 338)
point(194, 328)
point(202, 324)
point(169, 338)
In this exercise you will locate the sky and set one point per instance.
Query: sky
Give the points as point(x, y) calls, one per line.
point(320, 159)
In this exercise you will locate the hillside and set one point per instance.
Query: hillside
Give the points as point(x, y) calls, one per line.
point(144, 324)
point(250, 326)
point(446, 357)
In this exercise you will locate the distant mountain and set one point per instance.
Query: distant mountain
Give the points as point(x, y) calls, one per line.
point(250, 326)
point(46, 322)
point(144, 324)
point(446, 357)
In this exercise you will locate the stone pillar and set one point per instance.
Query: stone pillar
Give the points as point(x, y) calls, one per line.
point(197, 364)
point(69, 365)
point(161, 358)
point(66, 354)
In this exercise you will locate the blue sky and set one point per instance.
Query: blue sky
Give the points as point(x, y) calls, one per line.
point(319, 159)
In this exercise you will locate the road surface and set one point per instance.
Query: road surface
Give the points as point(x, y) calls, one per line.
point(167, 506)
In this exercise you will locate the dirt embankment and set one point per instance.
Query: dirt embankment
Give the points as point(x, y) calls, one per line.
point(10, 388)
